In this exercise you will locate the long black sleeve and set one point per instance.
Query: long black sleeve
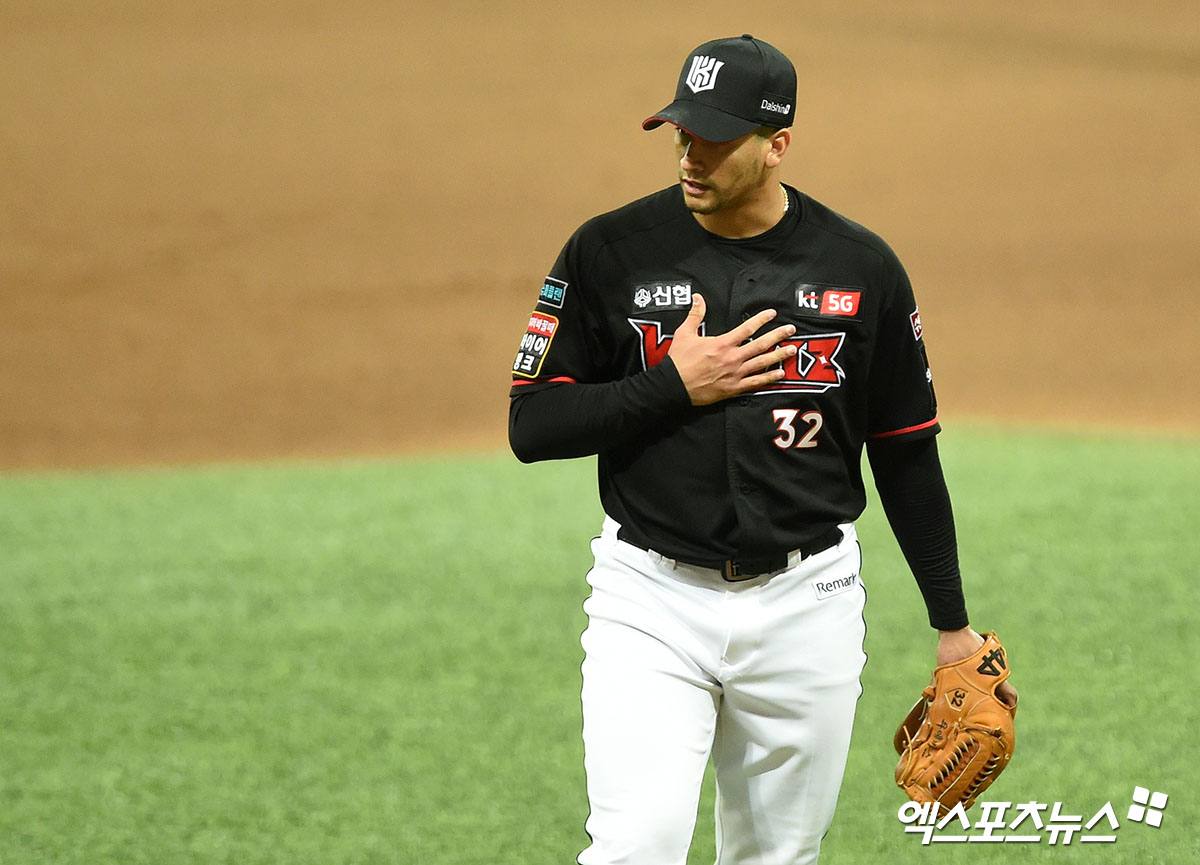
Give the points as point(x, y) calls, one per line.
point(568, 419)
point(908, 475)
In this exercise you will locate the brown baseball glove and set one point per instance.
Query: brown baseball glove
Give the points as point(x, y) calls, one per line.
point(959, 735)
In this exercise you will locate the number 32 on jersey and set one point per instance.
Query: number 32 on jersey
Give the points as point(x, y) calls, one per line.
point(796, 429)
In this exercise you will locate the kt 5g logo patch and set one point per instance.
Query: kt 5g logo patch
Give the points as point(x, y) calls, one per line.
point(534, 344)
point(812, 299)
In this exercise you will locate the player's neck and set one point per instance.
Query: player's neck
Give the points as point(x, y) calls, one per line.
point(755, 215)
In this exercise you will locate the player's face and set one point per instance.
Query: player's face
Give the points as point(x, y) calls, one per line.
point(721, 175)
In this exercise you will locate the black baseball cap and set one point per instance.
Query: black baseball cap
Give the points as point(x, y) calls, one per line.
point(730, 87)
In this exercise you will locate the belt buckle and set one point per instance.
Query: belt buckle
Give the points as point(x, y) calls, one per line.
point(733, 572)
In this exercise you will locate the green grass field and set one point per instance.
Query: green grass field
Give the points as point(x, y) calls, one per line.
point(379, 662)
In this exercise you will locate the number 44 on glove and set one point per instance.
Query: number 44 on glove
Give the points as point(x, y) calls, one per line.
point(959, 735)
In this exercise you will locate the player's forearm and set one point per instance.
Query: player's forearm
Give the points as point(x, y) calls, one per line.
point(912, 489)
point(570, 419)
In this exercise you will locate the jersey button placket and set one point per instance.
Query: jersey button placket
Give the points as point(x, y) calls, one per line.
point(733, 418)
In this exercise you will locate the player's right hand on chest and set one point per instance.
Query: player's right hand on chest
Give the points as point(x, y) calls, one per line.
point(714, 368)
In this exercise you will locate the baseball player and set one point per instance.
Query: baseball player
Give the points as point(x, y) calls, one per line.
point(727, 346)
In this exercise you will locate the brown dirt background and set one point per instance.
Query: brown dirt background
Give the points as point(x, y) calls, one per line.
point(260, 229)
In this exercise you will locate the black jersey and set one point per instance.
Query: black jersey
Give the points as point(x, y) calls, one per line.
point(761, 473)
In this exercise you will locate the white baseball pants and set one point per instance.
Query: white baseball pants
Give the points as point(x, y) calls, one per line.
point(762, 675)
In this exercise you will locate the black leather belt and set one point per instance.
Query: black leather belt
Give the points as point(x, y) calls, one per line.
point(749, 567)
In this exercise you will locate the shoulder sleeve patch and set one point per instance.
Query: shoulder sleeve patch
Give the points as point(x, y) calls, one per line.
point(535, 344)
point(554, 292)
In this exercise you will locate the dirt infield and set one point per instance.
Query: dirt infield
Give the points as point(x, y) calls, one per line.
point(293, 229)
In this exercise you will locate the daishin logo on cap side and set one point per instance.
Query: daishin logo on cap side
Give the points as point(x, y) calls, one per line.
point(703, 74)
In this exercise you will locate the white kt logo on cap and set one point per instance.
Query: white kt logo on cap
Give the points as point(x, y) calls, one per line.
point(703, 74)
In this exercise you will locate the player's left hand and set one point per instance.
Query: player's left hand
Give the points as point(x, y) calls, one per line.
point(959, 735)
point(956, 645)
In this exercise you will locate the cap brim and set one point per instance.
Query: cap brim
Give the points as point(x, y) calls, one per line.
point(702, 121)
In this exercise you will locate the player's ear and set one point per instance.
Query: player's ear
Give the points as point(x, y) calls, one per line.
point(779, 142)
